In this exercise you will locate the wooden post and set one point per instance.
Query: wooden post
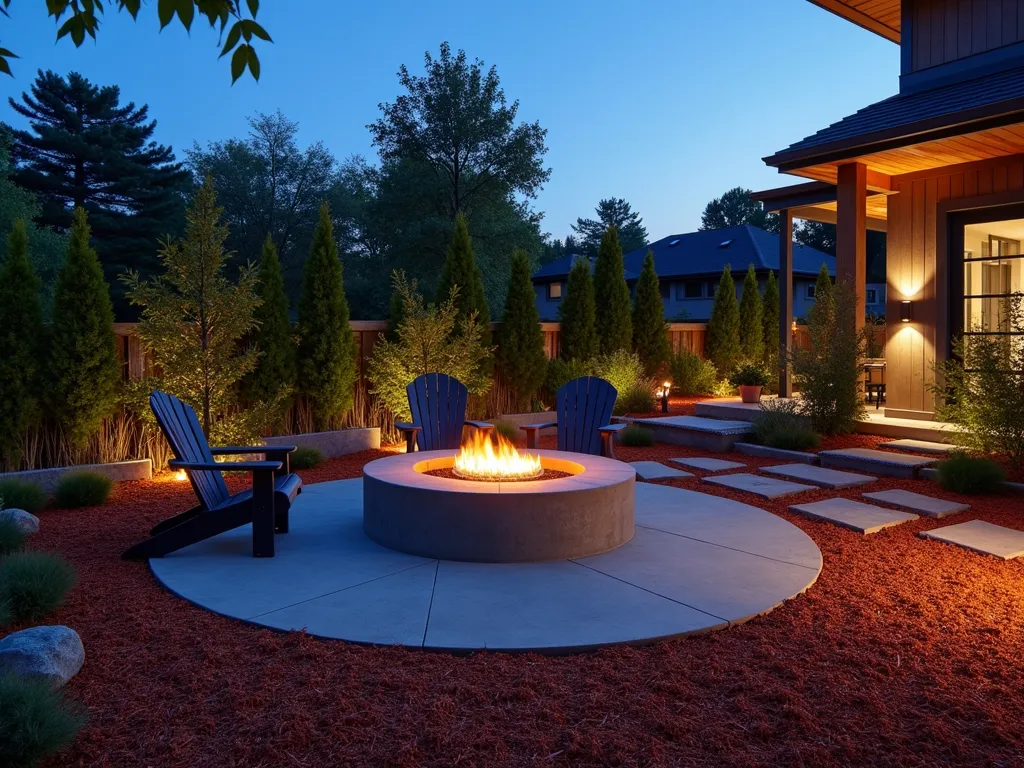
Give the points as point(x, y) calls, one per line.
point(851, 231)
point(785, 301)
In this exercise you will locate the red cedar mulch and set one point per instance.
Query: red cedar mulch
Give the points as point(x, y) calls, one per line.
point(905, 652)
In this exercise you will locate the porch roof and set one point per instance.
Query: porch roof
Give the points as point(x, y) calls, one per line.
point(879, 16)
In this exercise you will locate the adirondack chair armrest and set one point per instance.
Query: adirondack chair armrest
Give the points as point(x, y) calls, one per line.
point(486, 426)
point(533, 432)
point(608, 439)
point(409, 432)
point(230, 466)
point(237, 450)
point(612, 428)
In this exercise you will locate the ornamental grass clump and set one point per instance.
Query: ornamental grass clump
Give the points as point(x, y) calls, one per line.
point(36, 721)
point(780, 424)
point(971, 475)
point(82, 489)
point(625, 371)
point(12, 537)
point(692, 375)
point(20, 494)
point(306, 457)
point(33, 584)
point(636, 437)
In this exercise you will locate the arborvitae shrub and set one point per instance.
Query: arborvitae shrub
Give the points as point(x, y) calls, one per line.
point(460, 268)
point(751, 319)
point(614, 324)
point(770, 324)
point(649, 338)
point(577, 314)
point(522, 362)
point(722, 339)
point(274, 337)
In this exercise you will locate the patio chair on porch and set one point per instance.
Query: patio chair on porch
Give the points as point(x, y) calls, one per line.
point(265, 505)
point(438, 405)
point(583, 409)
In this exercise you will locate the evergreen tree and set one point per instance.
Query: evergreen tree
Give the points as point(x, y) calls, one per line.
point(396, 315)
point(577, 314)
point(84, 371)
point(751, 319)
point(327, 347)
point(21, 327)
point(611, 212)
point(770, 325)
point(84, 149)
point(614, 325)
point(722, 344)
point(823, 300)
point(194, 320)
point(460, 269)
point(274, 377)
point(521, 357)
point(649, 338)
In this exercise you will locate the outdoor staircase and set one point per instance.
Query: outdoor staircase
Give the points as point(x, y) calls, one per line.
point(718, 435)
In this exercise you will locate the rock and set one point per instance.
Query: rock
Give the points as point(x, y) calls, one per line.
point(28, 522)
point(53, 653)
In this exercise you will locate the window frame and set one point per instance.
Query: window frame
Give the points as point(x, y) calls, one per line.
point(561, 290)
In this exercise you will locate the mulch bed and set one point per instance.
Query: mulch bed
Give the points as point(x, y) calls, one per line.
point(905, 652)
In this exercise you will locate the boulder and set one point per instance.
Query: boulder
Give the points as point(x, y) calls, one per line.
point(53, 653)
point(28, 522)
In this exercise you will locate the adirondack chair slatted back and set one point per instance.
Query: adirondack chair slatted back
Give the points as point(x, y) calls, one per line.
point(584, 405)
point(438, 405)
point(181, 428)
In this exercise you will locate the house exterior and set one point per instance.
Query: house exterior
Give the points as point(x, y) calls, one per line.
point(690, 266)
point(938, 167)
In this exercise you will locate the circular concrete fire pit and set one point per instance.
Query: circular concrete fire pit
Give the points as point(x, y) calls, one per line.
point(587, 513)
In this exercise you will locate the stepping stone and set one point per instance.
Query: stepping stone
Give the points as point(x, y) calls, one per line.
point(767, 452)
point(989, 539)
point(655, 470)
point(865, 518)
point(765, 487)
point(709, 465)
point(824, 478)
point(918, 502)
point(879, 462)
point(920, 446)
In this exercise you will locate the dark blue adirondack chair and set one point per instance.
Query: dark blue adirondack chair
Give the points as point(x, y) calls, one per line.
point(583, 409)
point(265, 505)
point(438, 405)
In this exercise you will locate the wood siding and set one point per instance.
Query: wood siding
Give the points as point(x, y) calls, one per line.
point(947, 30)
point(914, 273)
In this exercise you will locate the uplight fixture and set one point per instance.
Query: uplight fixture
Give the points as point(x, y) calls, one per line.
point(906, 311)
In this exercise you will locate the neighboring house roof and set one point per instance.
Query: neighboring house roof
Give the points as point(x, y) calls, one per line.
point(915, 114)
point(560, 268)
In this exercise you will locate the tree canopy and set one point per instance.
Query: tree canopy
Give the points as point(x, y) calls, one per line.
point(734, 208)
point(83, 19)
point(611, 212)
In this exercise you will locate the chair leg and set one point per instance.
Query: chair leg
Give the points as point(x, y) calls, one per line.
point(280, 519)
point(608, 445)
point(263, 514)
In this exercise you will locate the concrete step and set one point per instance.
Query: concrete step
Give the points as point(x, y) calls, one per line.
point(875, 462)
point(920, 446)
point(767, 452)
point(731, 409)
point(694, 431)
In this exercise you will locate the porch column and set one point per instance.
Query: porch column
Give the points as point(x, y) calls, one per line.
point(785, 301)
point(851, 231)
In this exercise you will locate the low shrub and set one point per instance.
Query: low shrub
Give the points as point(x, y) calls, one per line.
point(35, 721)
point(306, 457)
point(19, 494)
point(508, 430)
point(781, 425)
point(11, 536)
point(624, 370)
point(637, 399)
point(691, 375)
point(82, 489)
point(636, 437)
point(970, 474)
point(749, 376)
point(34, 584)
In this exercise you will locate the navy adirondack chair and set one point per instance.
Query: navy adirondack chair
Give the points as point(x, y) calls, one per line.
point(438, 405)
point(583, 409)
point(265, 505)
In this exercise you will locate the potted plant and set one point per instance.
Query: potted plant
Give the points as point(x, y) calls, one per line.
point(750, 379)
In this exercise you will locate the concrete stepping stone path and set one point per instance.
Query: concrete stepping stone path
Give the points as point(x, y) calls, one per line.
point(767, 452)
point(878, 462)
point(824, 478)
point(928, 506)
point(655, 470)
point(986, 538)
point(696, 432)
point(709, 465)
point(765, 487)
point(920, 446)
point(855, 515)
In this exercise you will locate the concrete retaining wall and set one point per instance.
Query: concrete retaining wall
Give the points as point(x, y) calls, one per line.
point(340, 442)
point(118, 471)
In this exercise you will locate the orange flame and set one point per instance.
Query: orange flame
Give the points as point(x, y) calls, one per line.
point(481, 459)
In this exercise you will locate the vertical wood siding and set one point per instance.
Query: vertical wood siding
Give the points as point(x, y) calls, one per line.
point(947, 30)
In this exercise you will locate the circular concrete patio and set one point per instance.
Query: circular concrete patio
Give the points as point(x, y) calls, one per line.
point(696, 563)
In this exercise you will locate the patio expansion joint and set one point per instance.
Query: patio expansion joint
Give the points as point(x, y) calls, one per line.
point(343, 589)
point(733, 549)
point(430, 607)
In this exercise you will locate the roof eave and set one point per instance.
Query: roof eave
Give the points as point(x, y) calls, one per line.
point(859, 18)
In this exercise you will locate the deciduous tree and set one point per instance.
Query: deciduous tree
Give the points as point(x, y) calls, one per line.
point(614, 325)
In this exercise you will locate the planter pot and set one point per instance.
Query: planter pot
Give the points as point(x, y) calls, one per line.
point(750, 394)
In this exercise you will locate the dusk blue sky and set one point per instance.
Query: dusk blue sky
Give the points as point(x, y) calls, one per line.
point(666, 103)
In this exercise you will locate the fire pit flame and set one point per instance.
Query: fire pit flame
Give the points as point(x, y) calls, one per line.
point(481, 459)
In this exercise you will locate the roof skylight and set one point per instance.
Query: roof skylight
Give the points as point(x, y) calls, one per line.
point(724, 244)
point(673, 243)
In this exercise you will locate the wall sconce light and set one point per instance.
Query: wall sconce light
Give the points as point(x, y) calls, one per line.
point(905, 311)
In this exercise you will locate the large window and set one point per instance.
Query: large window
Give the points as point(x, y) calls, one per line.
point(992, 271)
point(690, 289)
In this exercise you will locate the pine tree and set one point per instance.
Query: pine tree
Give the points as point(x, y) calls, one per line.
point(83, 366)
point(722, 344)
point(649, 338)
point(21, 327)
point(577, 314)
point(460, 269)
point(751, 319)
point(194, 320)
point(614, 325)
point(327, 347)
point(274, 377)
point(770, 325)
point(521, 357)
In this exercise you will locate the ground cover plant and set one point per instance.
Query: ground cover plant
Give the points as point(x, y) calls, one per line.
point(306, 457)
point(780, 424)
point(21, 494)
point(636, 436)
point(34, 584)
point(82, 489)
point(12, 537)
